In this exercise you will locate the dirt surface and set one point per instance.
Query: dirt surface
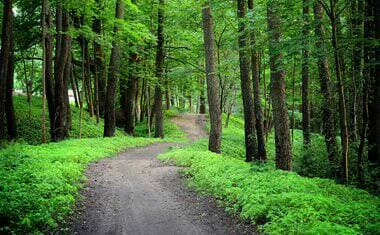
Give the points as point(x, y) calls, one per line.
point(134, 193)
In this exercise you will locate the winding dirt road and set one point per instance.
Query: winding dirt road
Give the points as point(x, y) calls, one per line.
point(134, 193)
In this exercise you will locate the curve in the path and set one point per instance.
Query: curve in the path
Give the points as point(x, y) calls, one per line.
point(134, 193)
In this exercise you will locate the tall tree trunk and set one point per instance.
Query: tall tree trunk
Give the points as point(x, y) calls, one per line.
point(75, 85)
point(305, 74)
point(167, 93)
point(67, 78)
point(277, 79)
point(148, 110)
point(48, 68)
point(246, 86)
point(6, 49)
point(342, 102)
point(74, 88)
point(293, 121)
point(113, 74)
point(371, 33)
point(160, 61)
point(100, 65)
point(363, 133)
point(326, 86)
point(255, 63)
point(96, 93)
point(376, 105)
point(45, 9)
point(215, 137)
point(87, 77)
point(142, 99)
point(62, 53)
point(128, 94)
point(356, 68)
point(137, 109)
point(9, 107)
point(202, 99)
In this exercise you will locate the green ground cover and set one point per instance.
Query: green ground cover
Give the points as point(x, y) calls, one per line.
point(277, 202)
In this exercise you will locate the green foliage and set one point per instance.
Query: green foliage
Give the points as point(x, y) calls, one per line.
point(172, 132)
point(39, 184)
point(29, 122)
point(279, 202)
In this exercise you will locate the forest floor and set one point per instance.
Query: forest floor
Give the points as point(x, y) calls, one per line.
point(135, 193)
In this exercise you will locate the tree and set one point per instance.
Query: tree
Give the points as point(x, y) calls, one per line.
point(160, 60)
point(255, 66)
point(246, 89)
point(62, 51)
point(334, 14)
point(128, 91)
point(113, 74)
point(326, 86)
point(371, 33)
point(305, 74)
point(45, 7)
point(213, 98)
point(277, 79)
point(48, 67)
point(9, 107)
point(100, 65)
point(6, 58)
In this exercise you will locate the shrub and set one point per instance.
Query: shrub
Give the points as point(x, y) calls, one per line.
point(29, 122)
point(279, 202)
point(39, 184)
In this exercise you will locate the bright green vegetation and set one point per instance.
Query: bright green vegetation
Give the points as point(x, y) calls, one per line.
point(29, 122)
point(39, 184)
point(172, 132)
point(278, 202)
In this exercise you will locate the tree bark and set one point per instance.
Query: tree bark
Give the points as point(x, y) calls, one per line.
point(128, 94)
point(48, 69)
point(305, 74)
point(100, 65)
point(45, 7)
point(326, 86)
point(202, 99)
point(67, 78)
point(255, 63)
point(4, 61)
point(215, 138)
point(63, 45)
point(113, 74)
point(160, 61)
point(277, 79)
point(371, 33)
point(9, 107)
point(342, 102)
point(246, 86)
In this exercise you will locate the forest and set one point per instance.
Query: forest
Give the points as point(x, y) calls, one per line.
point(190, 117)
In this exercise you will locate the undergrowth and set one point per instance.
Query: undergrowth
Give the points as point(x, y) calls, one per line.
point(39, 184)
point(29, 122)
point(173, 133)
point(278, 202)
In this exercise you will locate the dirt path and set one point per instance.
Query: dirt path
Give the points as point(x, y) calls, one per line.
point(134, 193)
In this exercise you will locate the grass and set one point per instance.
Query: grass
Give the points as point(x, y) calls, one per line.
point(277, 202)
point(172, 132)
point(29, 122)
point(39, 184)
